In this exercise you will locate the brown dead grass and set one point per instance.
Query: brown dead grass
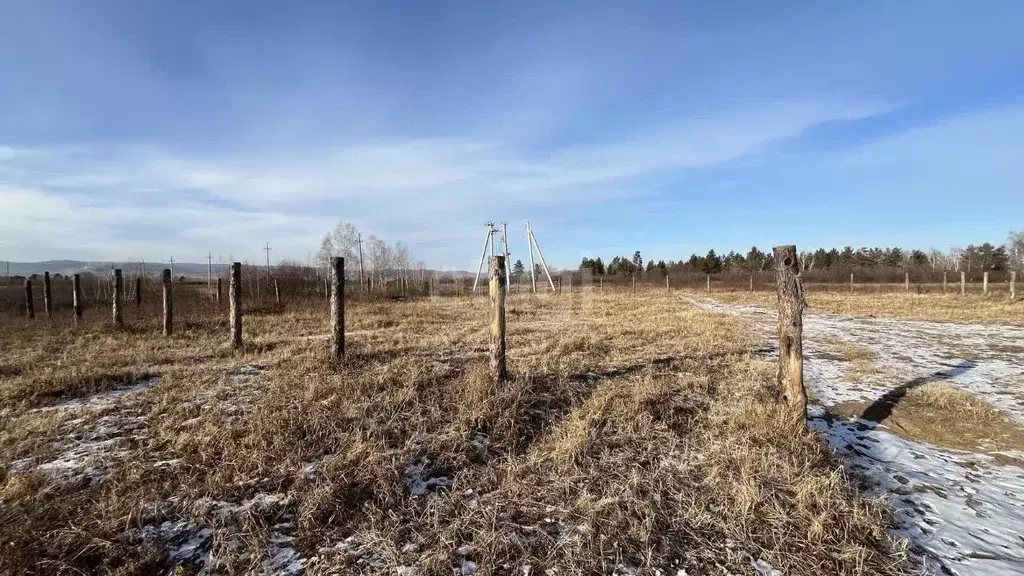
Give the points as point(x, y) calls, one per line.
point(863, 366)
point(944, 415)
point(636, 431)
point(930, 306)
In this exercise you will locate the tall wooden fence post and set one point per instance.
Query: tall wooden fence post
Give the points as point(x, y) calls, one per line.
point(76, 296)
point(667, 286)
point(851, 282)
point(634, 284)
point(235, 303)
point(709, 283)
point(337, 308)
point(1013, 284)
point(220, 291)
point(944, 282)
point(984, 284)
point(168, 302)
point(906, 281)
point(138, 291)
point(963, 283)
point(790, 291)
point(277, 292)
point(118, 298)
point(496, 278)
point(30, 309)
point(751, 282)
point(47, 295)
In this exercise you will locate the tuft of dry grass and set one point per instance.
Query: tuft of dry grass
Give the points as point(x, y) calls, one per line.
point(863, 366)
point(935, 307)
point(636, 432)
point(944, 415)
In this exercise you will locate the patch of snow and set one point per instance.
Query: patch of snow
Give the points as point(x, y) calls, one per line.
point(961, 511)
point(468, 568)
point(102, 399)
point(420, 480)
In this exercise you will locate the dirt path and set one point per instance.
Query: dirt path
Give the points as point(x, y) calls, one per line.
point(962, 512)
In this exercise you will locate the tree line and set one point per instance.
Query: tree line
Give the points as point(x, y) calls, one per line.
point(974, 258)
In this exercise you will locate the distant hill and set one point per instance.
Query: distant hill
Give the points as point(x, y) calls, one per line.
point(66, 267)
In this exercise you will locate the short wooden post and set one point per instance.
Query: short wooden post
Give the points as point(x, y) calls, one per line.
point(118, 298)
point(168, 302)
point(667, 287)
point(76, 296)
point(30, 310)
point(235, 302)
point(751, 282)
point(1013, 284)
point(277, 292)
point(984, 284)
point(851, 282)
point(906, 281)
point(47, 298)
point(634, 284)
point(601, 285)
point(496, 281)
point(138, 291)
point(337, 308)
point(709, 283)
point(559, 285)
point(944, 283)
point(220, 291)
point(790, 291)
point(963, 283)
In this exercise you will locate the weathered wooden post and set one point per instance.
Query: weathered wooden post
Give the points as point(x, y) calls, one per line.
point(634, 284)
point(944, 283)
point(235, 303)
point(906, 281)
point(984, 284)
point(30, 310)
point(118, 297)
point(76, 296)
point(1013, 284)
point(851, 282)
point(570, 283)
point(790, 291)
point(496, 278)
point(559, 285)
point(168, 302)
point(337, 308)
point(751, 282)
point(138, 291)
point(602, 284)
point(220, 290)
point(47, 299)
point(709, 283)
point(963, 283)
point(277, 292)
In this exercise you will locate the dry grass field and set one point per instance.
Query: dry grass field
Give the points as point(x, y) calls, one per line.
point(637, 434)
point(936, 307)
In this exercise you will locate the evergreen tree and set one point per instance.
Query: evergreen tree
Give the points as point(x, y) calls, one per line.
point(517, 271)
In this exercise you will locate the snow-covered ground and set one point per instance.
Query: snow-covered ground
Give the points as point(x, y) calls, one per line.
point(962, 512)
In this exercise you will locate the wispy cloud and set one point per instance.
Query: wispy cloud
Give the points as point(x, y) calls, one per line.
point(104, 191)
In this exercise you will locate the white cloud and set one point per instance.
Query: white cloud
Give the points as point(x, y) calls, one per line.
point(89, 196)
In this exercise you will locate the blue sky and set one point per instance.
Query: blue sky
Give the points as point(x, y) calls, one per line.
point(137, 129)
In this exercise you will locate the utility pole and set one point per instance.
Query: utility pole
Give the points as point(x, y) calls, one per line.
point(508, 265)
point(541, 254)
point(172, 268)
point(533, 267)
point(209, 271)
point(489, 241)
point(359, 240)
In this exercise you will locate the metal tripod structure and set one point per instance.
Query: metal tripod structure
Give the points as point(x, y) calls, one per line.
point(531, 240)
